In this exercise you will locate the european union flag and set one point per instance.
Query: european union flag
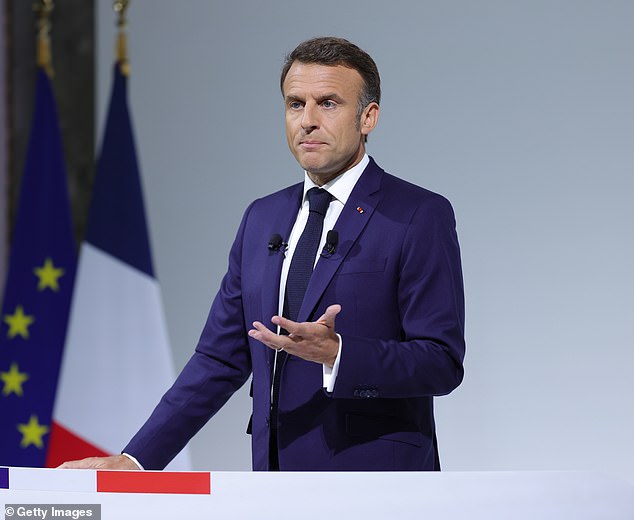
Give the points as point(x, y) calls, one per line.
point(38, 292)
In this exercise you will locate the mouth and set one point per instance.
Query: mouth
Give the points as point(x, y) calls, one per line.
point(311, 145)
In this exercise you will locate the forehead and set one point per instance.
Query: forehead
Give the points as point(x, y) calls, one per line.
point(312, 79)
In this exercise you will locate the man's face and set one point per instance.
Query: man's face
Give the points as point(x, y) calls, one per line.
point(323, 130)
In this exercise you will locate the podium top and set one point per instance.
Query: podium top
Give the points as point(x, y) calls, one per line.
point(446, 495)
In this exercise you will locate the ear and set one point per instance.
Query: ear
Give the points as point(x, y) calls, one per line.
point(369, 118)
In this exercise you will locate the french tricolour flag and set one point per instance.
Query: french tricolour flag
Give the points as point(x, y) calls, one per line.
point(117, 360)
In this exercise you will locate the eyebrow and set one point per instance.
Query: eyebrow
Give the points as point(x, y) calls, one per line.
point(335, 97)
point(291, 98)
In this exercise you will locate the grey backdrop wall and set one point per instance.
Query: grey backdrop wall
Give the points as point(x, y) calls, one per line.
point(4, 162)
point(521, 113)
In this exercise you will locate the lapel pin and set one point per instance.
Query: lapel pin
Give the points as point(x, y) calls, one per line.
point(359, 209)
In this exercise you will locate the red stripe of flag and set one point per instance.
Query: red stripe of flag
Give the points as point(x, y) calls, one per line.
point(66, 445)
point(169, 482)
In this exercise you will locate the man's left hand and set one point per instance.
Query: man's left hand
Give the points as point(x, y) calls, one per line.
point(313, 341)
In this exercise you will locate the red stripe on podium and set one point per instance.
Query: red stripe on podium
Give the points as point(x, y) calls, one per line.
point(168, 482)
point(66, 445)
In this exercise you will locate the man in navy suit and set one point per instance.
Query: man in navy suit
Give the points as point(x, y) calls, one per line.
point(349, 383)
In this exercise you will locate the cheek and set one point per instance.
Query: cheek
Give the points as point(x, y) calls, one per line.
point(346, 130)
point(348, 138)
point(289, 130)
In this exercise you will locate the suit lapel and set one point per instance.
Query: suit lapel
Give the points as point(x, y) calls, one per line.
point(283, 223)
point(353, 219)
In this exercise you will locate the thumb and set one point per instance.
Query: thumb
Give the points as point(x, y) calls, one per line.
point(328, 317)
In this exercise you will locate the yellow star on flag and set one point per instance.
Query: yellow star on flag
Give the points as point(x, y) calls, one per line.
point(32, 432)
point(18, 323)
point(48, 276)
point(13, 380)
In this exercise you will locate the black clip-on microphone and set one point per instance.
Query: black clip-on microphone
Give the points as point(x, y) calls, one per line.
point(276, 242)
point(332, 239)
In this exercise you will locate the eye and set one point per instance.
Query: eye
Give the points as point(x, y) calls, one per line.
point(294, 105)
point(329, 104)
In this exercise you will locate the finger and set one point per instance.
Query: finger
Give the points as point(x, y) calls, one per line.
point(260, 332)
point(292, 327)
point(267, 337)
point(112, 462)
point(70, 464)
point(88, 463)
point(328, 317)
point(259, 326)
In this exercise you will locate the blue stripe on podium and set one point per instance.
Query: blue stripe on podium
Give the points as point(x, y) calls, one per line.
point(4, 478)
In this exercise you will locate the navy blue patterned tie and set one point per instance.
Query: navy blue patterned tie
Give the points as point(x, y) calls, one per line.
point(305, 252)
point(296, 283)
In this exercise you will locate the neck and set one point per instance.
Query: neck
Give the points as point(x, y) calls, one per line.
point(324, 178)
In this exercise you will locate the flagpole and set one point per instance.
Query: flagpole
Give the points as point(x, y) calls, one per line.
point(43, 52)
point(121, 52)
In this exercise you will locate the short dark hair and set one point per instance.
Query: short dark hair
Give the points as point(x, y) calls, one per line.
point(333, 51)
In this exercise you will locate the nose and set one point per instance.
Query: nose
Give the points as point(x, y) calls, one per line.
point(309, 118)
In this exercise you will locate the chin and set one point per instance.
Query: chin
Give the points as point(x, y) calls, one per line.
point(314, 167)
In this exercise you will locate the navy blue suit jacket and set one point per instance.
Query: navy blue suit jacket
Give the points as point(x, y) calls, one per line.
point(397, 275)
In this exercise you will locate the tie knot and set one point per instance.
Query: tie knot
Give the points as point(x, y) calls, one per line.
point(318, 200)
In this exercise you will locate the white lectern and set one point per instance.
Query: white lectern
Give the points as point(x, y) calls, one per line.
point(241, 495)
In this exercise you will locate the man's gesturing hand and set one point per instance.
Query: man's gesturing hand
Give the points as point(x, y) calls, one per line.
point(314, 341)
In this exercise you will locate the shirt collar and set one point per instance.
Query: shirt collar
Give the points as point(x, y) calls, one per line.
point(341, 186)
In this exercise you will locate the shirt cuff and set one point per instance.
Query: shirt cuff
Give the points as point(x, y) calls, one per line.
point(330, 374)
point(134, 460)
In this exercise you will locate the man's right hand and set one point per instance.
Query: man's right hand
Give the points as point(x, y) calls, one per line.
point(113, 462)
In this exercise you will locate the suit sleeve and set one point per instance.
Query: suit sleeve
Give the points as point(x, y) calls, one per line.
point(219, 366)
point(426, 357)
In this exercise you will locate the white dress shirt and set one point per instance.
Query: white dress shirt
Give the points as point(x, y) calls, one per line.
point(340, 189)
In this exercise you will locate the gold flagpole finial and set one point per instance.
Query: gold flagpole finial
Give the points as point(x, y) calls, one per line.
point(120, 7)
point(44, 8)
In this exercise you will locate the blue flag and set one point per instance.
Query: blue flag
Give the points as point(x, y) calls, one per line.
point(117, 222)
point(37, 293)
